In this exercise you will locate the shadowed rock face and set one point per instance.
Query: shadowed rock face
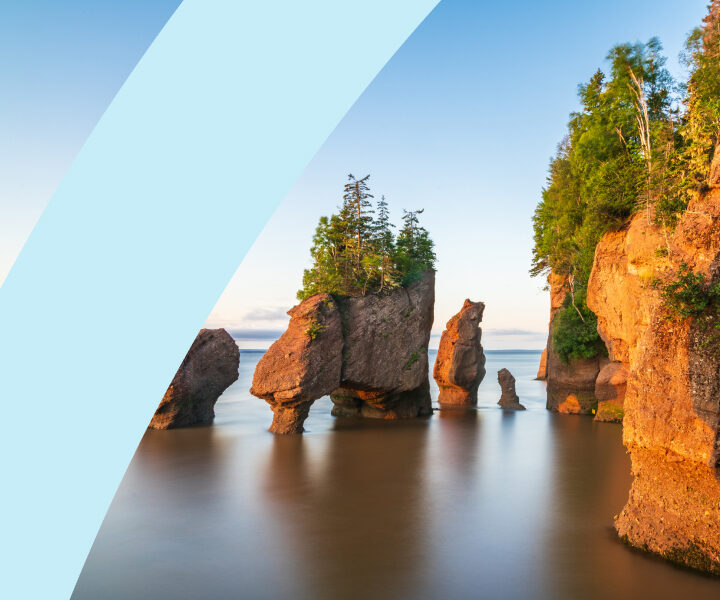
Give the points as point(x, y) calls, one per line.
point(368, 352)
point(672, 416)
point(509, 399)
point(209, 368)
point(303, 365)
point(460, 364)
point(385, 356)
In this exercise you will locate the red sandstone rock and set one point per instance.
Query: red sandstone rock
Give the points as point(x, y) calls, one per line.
point(672, 417)
point(368, 352)
point(303, 365)
point(460, 364)
point(620, 289)
point(542, 369)
point(509, 399)
point(208, 369)
point(610, 392)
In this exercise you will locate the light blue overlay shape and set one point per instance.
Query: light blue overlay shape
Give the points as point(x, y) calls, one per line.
point(184, 169)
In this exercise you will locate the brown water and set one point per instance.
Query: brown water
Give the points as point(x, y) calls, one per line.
point(479, 504)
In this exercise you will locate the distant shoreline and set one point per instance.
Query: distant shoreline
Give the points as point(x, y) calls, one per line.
point(431, 350)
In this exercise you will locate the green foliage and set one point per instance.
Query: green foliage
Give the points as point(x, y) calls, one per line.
point(701, 126)
point(690, 295)
point(602, 172)
point(575, 330)
point(413, 358)
point(631, 147)
point(356, 252)
point(314, 330)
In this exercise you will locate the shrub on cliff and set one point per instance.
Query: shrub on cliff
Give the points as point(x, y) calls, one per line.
point(575, 331)
point(355, 251)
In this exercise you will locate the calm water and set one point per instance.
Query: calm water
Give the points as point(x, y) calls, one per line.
point(477, 504)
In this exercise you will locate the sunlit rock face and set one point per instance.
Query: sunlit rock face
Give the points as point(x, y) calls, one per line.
point(672, 415)
point(460, 363)
point(542, 367)
point(368, 352)
point(303, 365)
point(209, 368)
point(508, 399)
point(621, 295)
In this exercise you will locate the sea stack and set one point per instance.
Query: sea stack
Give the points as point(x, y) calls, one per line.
point(303, 365)
point(368, 352)
point(208, 369)
point(460, 364)
point(509, 399)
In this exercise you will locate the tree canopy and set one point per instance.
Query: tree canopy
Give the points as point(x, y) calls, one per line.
point(640, 142)
point(356, 251)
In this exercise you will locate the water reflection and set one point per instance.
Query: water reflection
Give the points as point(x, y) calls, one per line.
point(470, 503)
point(354, 516)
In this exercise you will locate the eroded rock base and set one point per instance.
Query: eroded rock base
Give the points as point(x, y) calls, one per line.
point(288, 420)
point(673, 510)
point(381, 405)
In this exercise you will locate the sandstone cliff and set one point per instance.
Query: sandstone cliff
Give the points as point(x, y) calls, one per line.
point(208, 369)
point(368, 352)
point(460, 364)
point(620, 294)
point(570, 385)
point(672, 412)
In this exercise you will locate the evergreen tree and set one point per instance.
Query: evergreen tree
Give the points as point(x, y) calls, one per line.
point(701, 128)
point(355, 253)
point(415, 250)
point(357, 213)
point(384, 247)
point(613, 162)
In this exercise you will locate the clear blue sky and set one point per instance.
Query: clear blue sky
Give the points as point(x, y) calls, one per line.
point(461, 122)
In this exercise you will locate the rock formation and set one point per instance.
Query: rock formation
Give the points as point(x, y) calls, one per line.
point(303, 365)
point(570, 385)
point(208, 369)
point(610, 392)
point(621, 295)
point(368, 352)
point(509, 399)
point(542, 368)
point(672, 415)
point(460, 364)
point(385, 357)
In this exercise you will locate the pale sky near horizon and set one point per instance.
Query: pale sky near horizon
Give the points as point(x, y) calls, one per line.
point(462, 122)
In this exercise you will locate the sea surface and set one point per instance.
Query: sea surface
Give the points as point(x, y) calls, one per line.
point(467, 504)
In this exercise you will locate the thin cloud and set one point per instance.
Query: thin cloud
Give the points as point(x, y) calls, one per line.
point(276, 313)
point(513, 332)
point(255, 334)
